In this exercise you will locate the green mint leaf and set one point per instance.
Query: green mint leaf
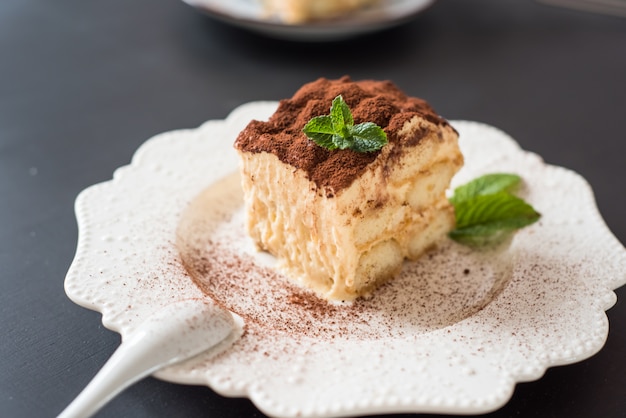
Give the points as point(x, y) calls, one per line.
point(502, 210)
point(340, 115)
point(342, 142)
point(337, 130)
point(320, 130)
point(484, 185)
point(480, 236)
point(486, 211)
point(368, 137)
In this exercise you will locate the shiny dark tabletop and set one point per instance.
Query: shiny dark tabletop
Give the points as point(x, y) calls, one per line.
point(83, 84)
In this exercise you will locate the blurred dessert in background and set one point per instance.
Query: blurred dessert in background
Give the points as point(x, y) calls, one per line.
point(301, 11)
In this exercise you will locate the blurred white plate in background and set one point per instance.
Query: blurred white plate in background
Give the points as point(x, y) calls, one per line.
point(250, 15)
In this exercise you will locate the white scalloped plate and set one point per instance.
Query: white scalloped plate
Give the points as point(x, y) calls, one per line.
point(433, 346)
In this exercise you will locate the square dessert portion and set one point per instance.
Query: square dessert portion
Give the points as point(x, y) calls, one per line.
point(341, 222)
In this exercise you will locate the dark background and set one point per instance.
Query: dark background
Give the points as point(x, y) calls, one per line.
point(83, 84)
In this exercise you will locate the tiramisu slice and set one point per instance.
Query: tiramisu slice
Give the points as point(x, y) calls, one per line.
point(340, 221)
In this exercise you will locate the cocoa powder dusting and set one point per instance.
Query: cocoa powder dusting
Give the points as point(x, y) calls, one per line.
point(380, 102)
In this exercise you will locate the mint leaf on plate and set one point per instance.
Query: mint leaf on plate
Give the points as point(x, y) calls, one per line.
point(337, 130)
point(484, 185)
point(487, 212)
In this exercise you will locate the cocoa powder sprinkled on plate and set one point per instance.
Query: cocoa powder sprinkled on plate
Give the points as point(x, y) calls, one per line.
point(427, 295)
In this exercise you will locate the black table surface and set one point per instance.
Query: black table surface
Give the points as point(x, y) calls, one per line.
point(83, 84)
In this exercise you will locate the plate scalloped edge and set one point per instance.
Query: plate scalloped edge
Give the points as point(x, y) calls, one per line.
point(126, 266)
